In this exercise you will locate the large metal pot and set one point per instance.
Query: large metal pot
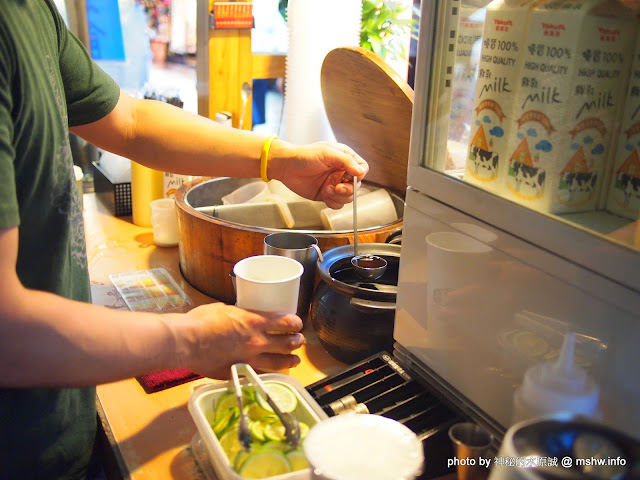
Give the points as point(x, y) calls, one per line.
point(209, 247)
point(352, 317)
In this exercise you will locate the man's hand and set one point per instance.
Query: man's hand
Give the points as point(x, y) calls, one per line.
point(219, 335)
point(321, 171)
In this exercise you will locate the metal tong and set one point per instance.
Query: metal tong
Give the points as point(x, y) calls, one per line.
point(291, 425)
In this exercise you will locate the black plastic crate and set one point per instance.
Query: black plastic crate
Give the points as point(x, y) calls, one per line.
point(115, 196)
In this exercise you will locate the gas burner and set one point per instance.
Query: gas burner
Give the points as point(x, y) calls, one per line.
point(378, 385)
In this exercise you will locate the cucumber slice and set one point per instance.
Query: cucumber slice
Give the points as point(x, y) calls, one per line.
point(225, 420)
point(282, 395)
point(297, 459)
point(264, 463)
point(255, 411)
point(230, 442)
point(256, 428)
point(275, 432)
point(255, 447)
point(304, 430)
point(275, 445)
point(228, 400)
point(241, 457)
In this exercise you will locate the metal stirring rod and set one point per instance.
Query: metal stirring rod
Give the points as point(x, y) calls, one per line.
point(355, 217)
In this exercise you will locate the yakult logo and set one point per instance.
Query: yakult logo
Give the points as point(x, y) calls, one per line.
point(608, 34)
point(502, 25)
point(551, 26)
point(551, 29)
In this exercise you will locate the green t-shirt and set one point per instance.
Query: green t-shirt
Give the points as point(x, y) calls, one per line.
point(47, 83)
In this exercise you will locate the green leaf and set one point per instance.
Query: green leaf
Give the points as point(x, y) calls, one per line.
point(382, 32)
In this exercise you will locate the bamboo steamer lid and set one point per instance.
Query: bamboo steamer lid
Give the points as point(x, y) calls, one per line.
point(369, 108)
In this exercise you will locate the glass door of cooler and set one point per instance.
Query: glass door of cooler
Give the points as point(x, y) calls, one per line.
point(527, 117)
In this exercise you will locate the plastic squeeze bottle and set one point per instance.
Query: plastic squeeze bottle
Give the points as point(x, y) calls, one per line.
point(556, 387)
point(146, 185)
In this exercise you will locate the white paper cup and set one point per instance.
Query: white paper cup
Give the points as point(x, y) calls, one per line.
point(268, 283)
point(456, 270)
point(374, 209)
point(164, 221)
point(255, 192)
point(356, 446)
point(455, 259)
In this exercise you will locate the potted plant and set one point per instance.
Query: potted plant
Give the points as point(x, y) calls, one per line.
point(386, 25)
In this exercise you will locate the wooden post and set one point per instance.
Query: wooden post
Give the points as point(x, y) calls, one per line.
point(231, 63)
point(229, 67)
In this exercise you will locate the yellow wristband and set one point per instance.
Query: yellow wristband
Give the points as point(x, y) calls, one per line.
point(264, 157)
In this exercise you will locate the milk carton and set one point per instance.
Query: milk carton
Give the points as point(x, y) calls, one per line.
point(465, 70)
point(624, 185)
point(442, 87)
point(577, 56)
point(172, 182)
point(503, 37)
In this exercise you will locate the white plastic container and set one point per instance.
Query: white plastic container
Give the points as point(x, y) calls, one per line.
point(200, 407)
point(260, 193)
point(276, 187)
point(254, 192)
point(164, 220)
point(374, 209)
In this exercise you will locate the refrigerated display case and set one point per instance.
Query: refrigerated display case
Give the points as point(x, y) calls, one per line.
point(521, 221)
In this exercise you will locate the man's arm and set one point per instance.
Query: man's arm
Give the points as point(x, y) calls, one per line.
point(50, 341)
point(168, 138)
